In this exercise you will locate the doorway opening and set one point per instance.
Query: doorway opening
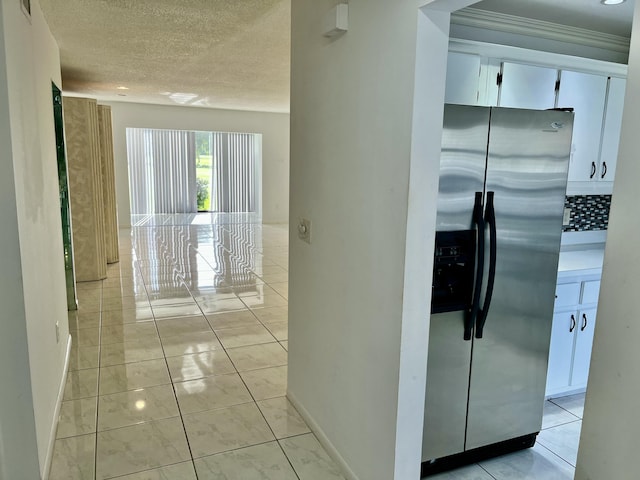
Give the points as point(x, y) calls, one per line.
point(65, 209)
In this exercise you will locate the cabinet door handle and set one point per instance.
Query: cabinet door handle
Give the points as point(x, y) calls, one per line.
point(604, 169)
point(573, 324)
point(594, 169)
point(584, 322)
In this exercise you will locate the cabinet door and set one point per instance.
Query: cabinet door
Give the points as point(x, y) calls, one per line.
point(612, 126)
point(590, 292)
point(463, 77)
point(584, 341)
point(528, 86)
point(567, 294)
point(586, 94)
point(561, 351)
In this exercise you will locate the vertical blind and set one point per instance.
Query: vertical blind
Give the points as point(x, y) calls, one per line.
point(162, 171)
point(233, 172)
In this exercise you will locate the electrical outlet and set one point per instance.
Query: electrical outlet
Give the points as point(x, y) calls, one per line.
point(57, 332)
point(566, 218)
point(304, 230)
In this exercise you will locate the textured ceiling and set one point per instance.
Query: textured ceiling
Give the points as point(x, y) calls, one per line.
point(211, 53)
point(223, 53)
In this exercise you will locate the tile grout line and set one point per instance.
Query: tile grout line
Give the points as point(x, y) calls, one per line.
point(561, 425)
point(563, 408)
point(142, 471)
point(487, 472)
point(556, 454)
point(149, 421)
point(255, 402)
point(295, 472)
point(163, 466)
point(173, 388)
point(277, 440)
point(95, 460)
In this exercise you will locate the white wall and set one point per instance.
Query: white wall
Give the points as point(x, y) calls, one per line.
point(351, 116)
point(18, 445)
point(274, 128)
point(608, 443)
point(32, 63)
point(364, 169)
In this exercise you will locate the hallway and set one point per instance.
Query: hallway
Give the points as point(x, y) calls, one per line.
point(179, 360)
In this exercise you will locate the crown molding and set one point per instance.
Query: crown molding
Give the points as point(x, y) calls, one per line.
point(501, 22)
point(536, 57)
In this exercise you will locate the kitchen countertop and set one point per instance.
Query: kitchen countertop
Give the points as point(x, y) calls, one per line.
point(585, 260)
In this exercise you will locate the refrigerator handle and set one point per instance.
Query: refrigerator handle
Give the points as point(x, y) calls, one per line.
point(478, 221)
point(490, 219)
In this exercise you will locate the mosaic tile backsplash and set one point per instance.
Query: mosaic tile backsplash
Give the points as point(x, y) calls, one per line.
point(588, 212)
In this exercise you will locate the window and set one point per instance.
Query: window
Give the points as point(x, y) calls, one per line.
point(179, 171)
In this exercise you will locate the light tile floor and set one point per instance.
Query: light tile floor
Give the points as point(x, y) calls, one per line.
point(179, 360)
point(178, 368)
point(552, 458)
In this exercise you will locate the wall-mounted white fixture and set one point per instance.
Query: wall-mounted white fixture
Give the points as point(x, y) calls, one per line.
point(304, 230)
point(337, 20)
point(612, 2)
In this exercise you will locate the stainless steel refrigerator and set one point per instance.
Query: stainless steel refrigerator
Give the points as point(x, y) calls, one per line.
point(503, 175)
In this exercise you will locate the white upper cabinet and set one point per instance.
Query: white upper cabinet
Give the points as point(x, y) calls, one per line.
point(586, 94)
point(463, 72)
point(494, 75)
point(528, 86)
point(611, 131)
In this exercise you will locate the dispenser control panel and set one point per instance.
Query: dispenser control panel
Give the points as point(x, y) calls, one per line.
point(453, 271)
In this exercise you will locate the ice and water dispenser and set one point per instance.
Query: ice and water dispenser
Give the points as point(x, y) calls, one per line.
point(453, 271)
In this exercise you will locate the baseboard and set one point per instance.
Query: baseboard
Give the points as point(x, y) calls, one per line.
point(322, 438)
point(54, 427)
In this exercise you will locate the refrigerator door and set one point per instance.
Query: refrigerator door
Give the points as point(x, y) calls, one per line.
point(527, 164)
point(462, 171)
point(462, 165)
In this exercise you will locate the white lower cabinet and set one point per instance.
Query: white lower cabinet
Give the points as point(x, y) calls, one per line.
point(582, 351)
point(572, 337)
point(561, 352)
